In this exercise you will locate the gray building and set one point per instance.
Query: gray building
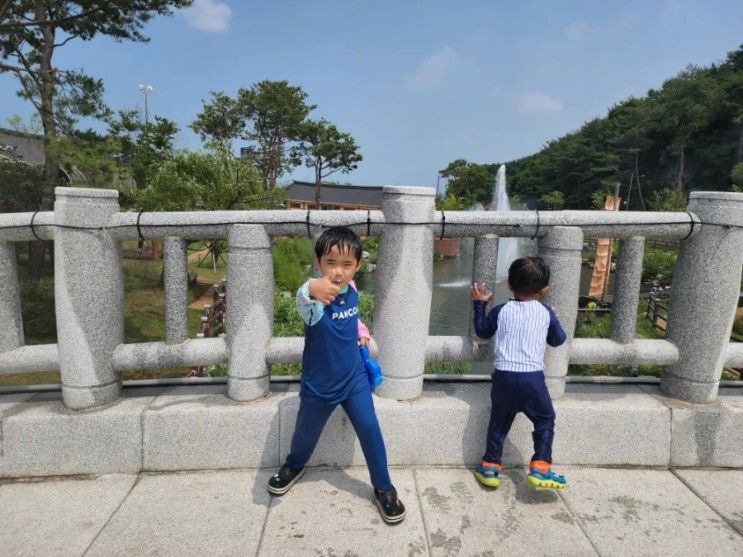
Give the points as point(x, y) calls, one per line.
point(28, 148)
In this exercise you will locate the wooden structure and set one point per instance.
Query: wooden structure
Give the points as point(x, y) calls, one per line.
point(212, 320)
point(602, 264)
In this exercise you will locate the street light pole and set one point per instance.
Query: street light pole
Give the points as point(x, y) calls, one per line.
point(146, 90)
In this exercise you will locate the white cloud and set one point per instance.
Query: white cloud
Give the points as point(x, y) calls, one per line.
point(208, 15)
point(537, 102)
point(576, 30)
point(433, 70)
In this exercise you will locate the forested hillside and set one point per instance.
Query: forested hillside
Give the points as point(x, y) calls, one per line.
point(687, 135)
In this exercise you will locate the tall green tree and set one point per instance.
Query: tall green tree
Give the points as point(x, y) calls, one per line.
point(269, 114)
point(684, 107)
point(326, 150)
point(470, 182)
point(629, 123)
point(222, 120)
point(32, 31)
point(206, 181)
point(141, 147)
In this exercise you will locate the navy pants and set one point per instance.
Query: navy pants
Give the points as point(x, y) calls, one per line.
point(513, 392)
point(359, 408)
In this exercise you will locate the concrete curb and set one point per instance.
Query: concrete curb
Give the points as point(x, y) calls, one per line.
point(193, 428)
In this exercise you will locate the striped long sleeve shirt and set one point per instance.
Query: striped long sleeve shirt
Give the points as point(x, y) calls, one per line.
point(522, 330)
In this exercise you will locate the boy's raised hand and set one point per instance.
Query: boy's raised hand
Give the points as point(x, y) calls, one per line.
point(323, 290)
point(479, 293)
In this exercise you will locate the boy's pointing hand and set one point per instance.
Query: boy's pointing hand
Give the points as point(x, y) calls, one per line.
point(323, 290)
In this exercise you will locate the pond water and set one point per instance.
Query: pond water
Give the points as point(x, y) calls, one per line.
point(450, 301)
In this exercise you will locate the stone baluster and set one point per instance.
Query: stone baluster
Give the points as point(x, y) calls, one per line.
point(402, 304)
point(561, 250)
point(88, 295)
point(175, 271)
point(704, 296)
point(249, 317)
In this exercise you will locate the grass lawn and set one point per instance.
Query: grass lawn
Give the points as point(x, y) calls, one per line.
point(144, 317)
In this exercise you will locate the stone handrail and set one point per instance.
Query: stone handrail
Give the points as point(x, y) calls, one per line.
point(87, 227)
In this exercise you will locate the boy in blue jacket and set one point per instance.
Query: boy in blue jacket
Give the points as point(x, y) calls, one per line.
point(333, 372)
point(523, 327)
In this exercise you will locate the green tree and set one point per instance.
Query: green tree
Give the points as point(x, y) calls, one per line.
point(449, 203)
point(141, 147)
point(690, 131)
point(668, 199)
point(222, 120)
point(208, 181)
point(553, 200)
point(629, 122)
point(20, 185)
point(470, 182)
point(268, 114)
point(31, 32)
point(736, 176)
point(124, 158)
point(326, 150)
point(685, 108)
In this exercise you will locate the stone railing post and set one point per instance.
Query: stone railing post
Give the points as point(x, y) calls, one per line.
point(402, 304)
point(627, 280)
point(249, 317)
point(484, 262)
point(11, 324)
point(561, 250)
point(89, 296)
point(175, 272)
point(704, 295)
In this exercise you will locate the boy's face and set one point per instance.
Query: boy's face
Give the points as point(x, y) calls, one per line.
point(339, 266)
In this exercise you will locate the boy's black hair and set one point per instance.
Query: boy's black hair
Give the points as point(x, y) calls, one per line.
point(338, 236)
point(528, 275)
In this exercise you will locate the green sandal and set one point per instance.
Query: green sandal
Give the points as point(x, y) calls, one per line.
point(488, 476)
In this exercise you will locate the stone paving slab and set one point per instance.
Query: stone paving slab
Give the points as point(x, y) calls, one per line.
point(57, 516)
point(464, 518)
point(189, 513)
point(329, 512)
point(720, 489)
point(646, 512)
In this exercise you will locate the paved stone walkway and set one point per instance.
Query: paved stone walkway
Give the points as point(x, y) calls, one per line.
point(329, 513)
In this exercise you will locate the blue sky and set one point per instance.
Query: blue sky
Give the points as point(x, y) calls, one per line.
point(418, 84)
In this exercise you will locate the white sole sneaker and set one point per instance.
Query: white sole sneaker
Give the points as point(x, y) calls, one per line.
point(282, 490)
point(388, 519)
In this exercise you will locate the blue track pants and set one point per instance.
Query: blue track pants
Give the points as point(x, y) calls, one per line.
point(514, 392)
point(359, 408)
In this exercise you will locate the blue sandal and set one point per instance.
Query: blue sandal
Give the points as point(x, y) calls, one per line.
point(487, 475)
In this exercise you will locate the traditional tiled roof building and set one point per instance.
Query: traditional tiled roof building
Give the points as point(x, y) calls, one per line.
point(301, 195)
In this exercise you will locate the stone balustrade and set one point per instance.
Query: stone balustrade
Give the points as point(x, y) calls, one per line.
point(87, 228)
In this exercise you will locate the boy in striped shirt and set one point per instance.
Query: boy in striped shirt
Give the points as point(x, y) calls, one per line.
point(523, 327)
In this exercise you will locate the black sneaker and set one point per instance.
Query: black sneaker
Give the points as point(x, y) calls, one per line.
point(284, 479)
point(390, 507)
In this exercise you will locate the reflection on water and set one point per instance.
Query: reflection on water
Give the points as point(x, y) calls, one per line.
point(450, 301)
